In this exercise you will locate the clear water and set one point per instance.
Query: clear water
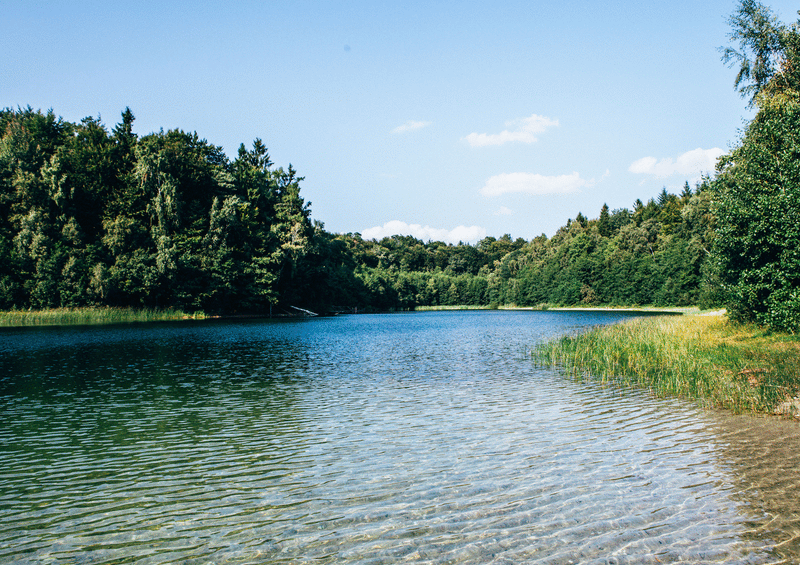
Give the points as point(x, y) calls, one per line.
point(422, 438)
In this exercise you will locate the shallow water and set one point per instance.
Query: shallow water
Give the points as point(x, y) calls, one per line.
point(426, 437)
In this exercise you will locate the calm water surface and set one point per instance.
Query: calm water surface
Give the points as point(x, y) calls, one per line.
point(422, 438)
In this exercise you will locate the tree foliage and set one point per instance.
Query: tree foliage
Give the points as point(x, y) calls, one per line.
point(655, 255)
point(89, 216)
point(757, 248)
point(768, 51)
point(168, 220)
point(163, 220)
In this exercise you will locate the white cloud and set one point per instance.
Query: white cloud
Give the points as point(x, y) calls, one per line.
point(425, 233)
point(533, 184)
point(410, 126)
point(692, 163)
point(504, 211)
point(525, 131)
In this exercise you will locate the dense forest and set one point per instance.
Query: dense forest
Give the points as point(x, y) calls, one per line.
point(167, 220)
point(90, 216)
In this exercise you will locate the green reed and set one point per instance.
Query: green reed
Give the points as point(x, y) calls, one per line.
point(738, 367)
point(78, 316)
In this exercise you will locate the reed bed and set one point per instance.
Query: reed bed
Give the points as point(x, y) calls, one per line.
point(738, 367)
point(79, 316)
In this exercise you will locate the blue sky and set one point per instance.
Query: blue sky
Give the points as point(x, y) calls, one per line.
point(444, 120)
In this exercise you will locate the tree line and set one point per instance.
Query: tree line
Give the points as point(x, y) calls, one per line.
point(656, 253)
point(98, 217)
point(90, 216)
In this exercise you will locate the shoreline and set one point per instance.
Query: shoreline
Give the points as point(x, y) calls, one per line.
point(111, 315)
point(701, 357)
point(667, 310)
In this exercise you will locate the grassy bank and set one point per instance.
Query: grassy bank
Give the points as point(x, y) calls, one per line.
point(739, 367)
point(77, 316)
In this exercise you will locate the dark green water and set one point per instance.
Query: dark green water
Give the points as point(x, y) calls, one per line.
point(422, 438)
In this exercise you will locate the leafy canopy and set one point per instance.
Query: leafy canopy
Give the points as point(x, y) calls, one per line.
point(757, 245)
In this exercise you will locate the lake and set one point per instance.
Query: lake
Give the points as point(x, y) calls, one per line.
point(417, 437)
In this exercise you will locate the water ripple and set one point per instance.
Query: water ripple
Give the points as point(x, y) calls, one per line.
point(370, 439)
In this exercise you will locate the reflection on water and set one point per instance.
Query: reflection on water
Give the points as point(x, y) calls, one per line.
point(427, 438)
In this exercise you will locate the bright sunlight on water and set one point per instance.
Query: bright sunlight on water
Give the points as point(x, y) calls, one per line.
point(421, 437)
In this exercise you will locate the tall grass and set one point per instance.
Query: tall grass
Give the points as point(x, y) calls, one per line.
point(77, 316)
point(738, 367)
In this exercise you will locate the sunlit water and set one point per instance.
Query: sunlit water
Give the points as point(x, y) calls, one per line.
point(423, 438)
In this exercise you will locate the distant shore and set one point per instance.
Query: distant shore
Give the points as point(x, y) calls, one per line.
point(110, 315)
point(635, 309)
point(668, 310)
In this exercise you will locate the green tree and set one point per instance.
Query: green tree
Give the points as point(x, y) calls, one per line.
point(604, 223)
point(757, 244)
point(758, 218)
point(768, 51)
